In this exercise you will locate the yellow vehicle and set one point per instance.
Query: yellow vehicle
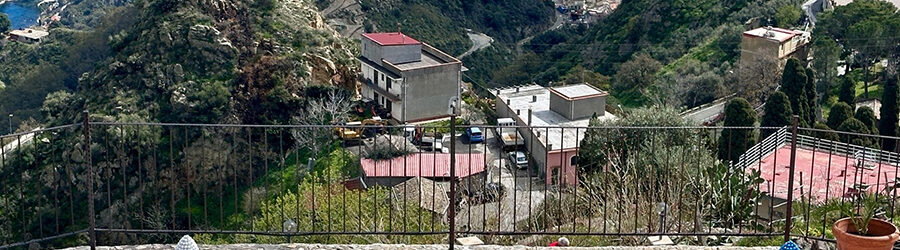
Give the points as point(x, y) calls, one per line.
point(357, 130)
point(351, 131)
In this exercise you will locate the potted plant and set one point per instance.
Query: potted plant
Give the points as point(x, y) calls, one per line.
point(862, 231)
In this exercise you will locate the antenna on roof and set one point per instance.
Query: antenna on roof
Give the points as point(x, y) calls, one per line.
point(400, 32)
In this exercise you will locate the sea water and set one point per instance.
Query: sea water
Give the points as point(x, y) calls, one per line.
point(20, 15)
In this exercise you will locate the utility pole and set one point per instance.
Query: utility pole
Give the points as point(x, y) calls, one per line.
point(452, 213)
point(92, 225)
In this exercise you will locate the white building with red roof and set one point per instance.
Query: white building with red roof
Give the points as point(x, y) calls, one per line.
point(409, 78)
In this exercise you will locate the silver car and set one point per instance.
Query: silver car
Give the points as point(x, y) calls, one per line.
point(518, 160)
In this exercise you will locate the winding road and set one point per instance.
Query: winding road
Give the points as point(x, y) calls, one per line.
point(479, 41)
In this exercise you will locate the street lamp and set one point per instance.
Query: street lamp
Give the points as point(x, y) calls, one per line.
point(289, 226)
point(10, 123)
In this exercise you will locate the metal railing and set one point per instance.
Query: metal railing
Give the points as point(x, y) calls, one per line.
point(129, 183)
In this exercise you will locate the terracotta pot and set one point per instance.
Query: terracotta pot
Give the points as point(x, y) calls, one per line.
point(882, 235)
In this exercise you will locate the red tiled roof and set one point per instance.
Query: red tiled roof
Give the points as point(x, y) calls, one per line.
point(821, 172)
point(424, 165)
point(391, 39)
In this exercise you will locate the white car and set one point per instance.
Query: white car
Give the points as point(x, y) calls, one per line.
point(518, 160)
point(445, 142)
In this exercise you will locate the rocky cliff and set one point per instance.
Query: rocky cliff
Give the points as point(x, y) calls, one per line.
point(215, 61)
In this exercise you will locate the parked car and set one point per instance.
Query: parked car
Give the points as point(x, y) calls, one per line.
point(446, 144)
point(428, 143)
point(475, 135)
point(438, 145)
point(518, 160)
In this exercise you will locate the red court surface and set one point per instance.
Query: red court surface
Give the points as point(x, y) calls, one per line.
point(821, 175)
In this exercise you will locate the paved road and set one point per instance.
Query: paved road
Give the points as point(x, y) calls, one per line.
point(479, 41)
point(346, 27)
point(22, 140)
point(523, 196)
point(560, 21)
point(706, 114)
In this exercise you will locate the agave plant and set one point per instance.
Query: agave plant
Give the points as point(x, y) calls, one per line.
point(862, 211)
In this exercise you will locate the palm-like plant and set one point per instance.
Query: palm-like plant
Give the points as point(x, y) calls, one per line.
point(862, 211)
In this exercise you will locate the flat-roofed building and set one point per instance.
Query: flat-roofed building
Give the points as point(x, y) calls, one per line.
point(557, 118)
point(409, 78)
point(774, 44)
point(28, 35)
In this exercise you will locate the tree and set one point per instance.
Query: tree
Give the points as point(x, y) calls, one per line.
point(735, 141)
point(4, 23)
point(757, 78)
point(853, 125)
point(793, 84)
point(862, 28)
point(330, 109)
point(826, 133)
point(887, 126)
point(811, 97)
point(848, 91)
point(867, 116)
point(591, 150)
point(636, 74)
point(840, 112)
point(863, 37)
point(787, 16)
point(778, 113)
point(825, 63)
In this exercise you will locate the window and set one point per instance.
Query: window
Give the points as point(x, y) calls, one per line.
point(389, 106)
point(375, 97)
point(554, 177)
point(388, 83)
point(375, 76)
point(573, 161)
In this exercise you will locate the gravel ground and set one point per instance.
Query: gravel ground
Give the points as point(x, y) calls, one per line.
point(412, 247)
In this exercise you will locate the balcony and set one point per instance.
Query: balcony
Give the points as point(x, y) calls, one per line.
point(381, 91)
point(120, 184)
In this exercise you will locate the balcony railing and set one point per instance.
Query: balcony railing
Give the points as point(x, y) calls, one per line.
point(99, 183)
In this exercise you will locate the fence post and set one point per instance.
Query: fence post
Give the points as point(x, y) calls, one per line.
point(452, 213)
point(90, 189)
point(790, 192)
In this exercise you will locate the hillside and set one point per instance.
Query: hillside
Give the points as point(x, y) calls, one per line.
point(443, 23)
point(200, 61)
point(688, 39)
point(181, 61)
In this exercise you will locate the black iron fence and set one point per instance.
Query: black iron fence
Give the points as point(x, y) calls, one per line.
point(132, 183)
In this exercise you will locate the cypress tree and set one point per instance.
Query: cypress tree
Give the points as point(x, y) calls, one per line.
point(867, 116)
point(853, 125)
point(793, 84)
point(887, 126)
point(812, 98)
point(734, 142)
point(778, 113)
point(848, 91)
point(840, 112)
point(828, 133)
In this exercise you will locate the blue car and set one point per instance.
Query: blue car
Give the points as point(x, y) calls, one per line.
point(475, 135)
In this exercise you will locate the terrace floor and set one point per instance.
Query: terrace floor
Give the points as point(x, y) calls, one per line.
point(412, 247)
